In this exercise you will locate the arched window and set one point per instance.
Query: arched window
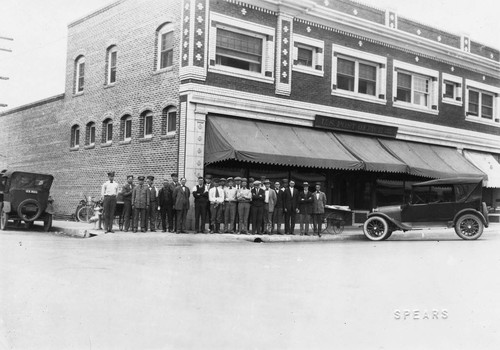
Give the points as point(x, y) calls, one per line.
point(169, 121)
point(126, 127)
point(111, 58)
point(147, 124)
point(90, 134)
point(107, 131)
point(75, 136)
point(165, 46)
point(79, 74)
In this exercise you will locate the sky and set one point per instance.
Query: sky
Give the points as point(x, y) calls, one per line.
point(36, 65)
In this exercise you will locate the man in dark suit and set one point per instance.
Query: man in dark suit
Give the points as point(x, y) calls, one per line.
point(318, 209)
point(305, 208)
point(153, 204)
point(165, 201)
point(140, 204)
point(173, 185)
point(278, 208)
point(258, 196)
point(181, 205)
point(200, 194)
point(290, 200)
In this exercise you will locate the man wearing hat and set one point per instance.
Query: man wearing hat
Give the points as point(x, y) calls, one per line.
point(278, 208)
point(109, 191)
point(126, 193)
point(318, 209)
point(290, 199)
point(181, 205)
point(216, 198)
point(258, 196)
point(175, 183)
point(244, 196)
point(251, 180)
point(153, 204)
point(269, 203)
point(305, 208)
point(166, 203)
point(230, 202)
point(208, 186)
point(140, 204)
point(200, 194)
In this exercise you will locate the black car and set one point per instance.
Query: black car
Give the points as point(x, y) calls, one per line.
point(25, 198)
point(453, 202)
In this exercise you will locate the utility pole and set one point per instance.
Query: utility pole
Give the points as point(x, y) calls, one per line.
point(8, 50)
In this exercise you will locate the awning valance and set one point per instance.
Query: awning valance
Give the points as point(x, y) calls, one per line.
point(488, 164)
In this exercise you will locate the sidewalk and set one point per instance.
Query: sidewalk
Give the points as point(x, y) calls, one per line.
point(86, 230)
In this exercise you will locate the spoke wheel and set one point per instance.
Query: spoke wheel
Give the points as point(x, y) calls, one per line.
point(85, 213)
point(469, 227)
point(376, 228)
point(3, 221)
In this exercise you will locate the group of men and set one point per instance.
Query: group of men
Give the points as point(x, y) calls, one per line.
point(232, 205)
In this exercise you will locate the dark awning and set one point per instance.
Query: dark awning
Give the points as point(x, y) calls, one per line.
point(261, 142)
point(430, 160)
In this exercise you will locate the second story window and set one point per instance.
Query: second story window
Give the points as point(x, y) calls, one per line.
point(165, 46)
point(146, 124)
point(126, 125)
point(111, 65)
point(353, 75)
point(90, 134)
point(413, 89)
point(482, 103)
point(169, 121)
point(239, 50)
point(308, 55)
point(79, 74)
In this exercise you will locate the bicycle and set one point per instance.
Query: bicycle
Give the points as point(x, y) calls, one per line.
point(86, 209)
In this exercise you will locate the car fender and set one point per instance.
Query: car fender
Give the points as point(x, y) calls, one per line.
point(470, 211)
point(388, 218)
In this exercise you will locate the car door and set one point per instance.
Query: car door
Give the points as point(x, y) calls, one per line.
point(417, 210)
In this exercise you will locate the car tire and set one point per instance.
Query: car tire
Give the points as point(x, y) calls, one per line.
point(3, 220)
point(376, 228)
point(469, 227)
point(25, 203)
point(47, 223)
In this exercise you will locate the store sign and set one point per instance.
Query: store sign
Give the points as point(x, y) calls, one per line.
point(338, 124)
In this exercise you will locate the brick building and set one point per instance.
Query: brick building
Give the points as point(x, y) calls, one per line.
point(346, 94)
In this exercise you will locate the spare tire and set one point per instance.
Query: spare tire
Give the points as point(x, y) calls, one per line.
point(29, 210)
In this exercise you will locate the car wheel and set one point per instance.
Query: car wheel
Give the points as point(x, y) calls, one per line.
point(47, 223)
point(29, 209)
point(469, 227)
point(376, 228)
point(3, 221)
point(388, 235)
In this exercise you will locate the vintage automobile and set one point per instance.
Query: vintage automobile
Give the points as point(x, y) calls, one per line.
point(25, 198)
point(452, 202)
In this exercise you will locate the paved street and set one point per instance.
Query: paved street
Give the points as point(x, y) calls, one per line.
point(166, 291)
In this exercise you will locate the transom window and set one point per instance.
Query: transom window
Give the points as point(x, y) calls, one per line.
point(356, 76)
point(75, 136)
point(112, 57)
point(239, 50)
point(79, 74)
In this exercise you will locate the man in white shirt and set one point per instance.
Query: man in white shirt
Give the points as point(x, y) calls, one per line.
point(109, 191)
point(216, 198)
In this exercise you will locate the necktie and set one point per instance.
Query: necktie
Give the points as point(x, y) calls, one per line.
point(230, 188)
point(216, 192)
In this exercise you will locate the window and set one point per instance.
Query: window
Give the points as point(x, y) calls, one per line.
point(90, 136)
point(482, 103)
point(126, 128)
point(107, 131)
point(415, 87)
point(452, 89)
point(111, 65)
point(242, 49)
point(79, 74)
point(147, 124)
point(308, 55)
point(75, 136)
point(360, 75)
point(169, 121)
point(165, 46)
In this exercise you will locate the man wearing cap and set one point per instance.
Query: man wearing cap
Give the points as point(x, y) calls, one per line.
point(175, 183)
point(244, 196)
point(305, 208)
point(208, 186)
point(269, 204)
point(181, 205)
point(278, 208)
point(230, 202)
point(237, 184)
point(126, 193)
point(216, 198)
point(318, 209)
point(251, 180)
point(165, 201)
point(290, 199)
point(258, 195)
point(200, 194)
point(140, 204)
point(109, 191)
point(153, 204)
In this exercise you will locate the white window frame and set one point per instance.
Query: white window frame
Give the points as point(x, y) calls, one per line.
point(125, 122)
point(75, 141)
point(416, 71)
point(247, 28)
point(111, 51)
point(79, 88)
point(107, 138)
point(317, 47)
point(174, 131)
point(380, 62)
point(457, 99)
point(167, 28)
point(146, 116)
point(92, 125)
point(482, 88)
